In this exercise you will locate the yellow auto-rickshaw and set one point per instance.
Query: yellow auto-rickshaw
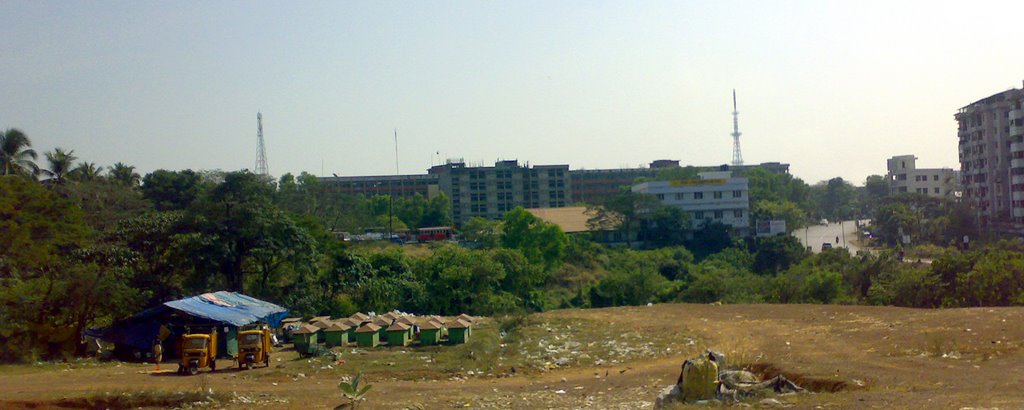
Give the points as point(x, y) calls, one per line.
point(198, 350)
point(254, 346)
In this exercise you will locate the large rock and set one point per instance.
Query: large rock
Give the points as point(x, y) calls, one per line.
point(670, 394)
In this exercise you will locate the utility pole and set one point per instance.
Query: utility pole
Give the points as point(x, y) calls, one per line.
point(391, 195)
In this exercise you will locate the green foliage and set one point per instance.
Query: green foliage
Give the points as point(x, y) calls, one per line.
point(482, 231)
point(16, 154)
point(541, 242)
point(776, 253)
point(718, 281)
point(665, 226)
point(630, 288)
point(125, 175)
point(783, 209)
point(911, 286)
point(60, 163)
point(172, 190)
point(353, 393)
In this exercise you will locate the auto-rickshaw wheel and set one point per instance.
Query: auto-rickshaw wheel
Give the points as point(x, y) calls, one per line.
point(193, 370)
point(213, 365)
point(248, 365)
point(181, 369)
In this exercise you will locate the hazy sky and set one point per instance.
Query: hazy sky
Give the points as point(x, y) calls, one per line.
point(831, 87)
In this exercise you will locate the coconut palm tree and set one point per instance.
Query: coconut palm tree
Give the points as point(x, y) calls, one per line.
point(86, 171)
point(125, 174)
point(16, 154)
point(60, 164)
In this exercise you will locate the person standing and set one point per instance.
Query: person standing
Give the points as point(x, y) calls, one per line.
point(158, 353)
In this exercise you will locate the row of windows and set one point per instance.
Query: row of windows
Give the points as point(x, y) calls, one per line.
point(920, 178)
point(679, 196)
point(716, 214)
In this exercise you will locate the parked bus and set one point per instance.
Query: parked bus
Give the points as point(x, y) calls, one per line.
point(437, 233)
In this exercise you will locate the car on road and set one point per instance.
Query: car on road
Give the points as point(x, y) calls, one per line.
point(826, 245)
point(823, 221)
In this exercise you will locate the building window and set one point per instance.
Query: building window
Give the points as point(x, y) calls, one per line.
point(698, 195)
point(679, 195)
point(737, 194)
point(936, 190)
point(698, 215)
point(718, 194)
point(935, 177)
point(661, 197)
point(719, 214)
point(737, 214)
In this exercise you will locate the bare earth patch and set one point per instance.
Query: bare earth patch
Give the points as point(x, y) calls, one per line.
point(616, 358)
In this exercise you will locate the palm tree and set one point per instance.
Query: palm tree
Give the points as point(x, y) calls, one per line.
point(125, 174)
point(86, 171)
point(60, 164)
point(16, 154)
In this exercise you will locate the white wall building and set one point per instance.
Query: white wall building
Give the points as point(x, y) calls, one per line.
point(905, 177)
point(716, 196)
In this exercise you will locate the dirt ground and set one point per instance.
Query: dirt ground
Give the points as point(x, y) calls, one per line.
point(852, 356)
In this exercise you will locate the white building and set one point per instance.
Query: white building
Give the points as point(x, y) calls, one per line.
point(905, 177)
point(716, 196)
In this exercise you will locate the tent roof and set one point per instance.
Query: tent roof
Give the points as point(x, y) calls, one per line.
point(230, 307)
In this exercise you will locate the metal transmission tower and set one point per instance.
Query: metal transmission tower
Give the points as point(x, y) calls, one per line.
point(261, 152)
point(737, 156)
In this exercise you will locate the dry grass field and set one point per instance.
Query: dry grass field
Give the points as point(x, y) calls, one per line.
point(616, 358)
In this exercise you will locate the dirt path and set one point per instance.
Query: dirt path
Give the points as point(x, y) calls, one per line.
point(877, 357)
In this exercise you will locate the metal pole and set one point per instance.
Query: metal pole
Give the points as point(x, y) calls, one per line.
point(842, 227)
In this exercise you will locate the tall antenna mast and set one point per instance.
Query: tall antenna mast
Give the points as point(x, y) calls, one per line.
point(737, 156)
point(261, 152)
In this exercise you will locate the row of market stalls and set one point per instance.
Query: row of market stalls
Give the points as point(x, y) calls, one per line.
point(391, 329)
point(223, 312)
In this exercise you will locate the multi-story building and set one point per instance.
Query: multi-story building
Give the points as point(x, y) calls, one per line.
point(716, 196)
point(397, 185)
point(905, 177)
point(991, 145)
point(490, 192)
point(593, 186)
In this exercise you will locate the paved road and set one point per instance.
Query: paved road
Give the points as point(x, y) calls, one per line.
point(816, 235)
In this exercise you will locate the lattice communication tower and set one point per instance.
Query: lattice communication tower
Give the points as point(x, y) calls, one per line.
point(261, 151)
point(737, 156)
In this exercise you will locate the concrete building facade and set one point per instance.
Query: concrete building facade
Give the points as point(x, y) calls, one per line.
point(397, 185)
point(490, 192)
point(716, 196)
point(991, 149)
point(905, 177)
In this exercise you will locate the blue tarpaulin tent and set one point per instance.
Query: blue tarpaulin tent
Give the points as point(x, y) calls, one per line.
point(228, 308)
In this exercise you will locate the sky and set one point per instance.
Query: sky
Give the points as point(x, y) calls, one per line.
point(832, 88)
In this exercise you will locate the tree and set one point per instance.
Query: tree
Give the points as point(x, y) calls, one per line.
point(777, 253)
point(782, 209)
point(125, 174)
point(482, 231)
point(235, 229)
point(665, 226)
point(86, 171)
point(60, 163)
point(541, 242)
point(16, 154)
point(623, 212)
point(172, 190)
